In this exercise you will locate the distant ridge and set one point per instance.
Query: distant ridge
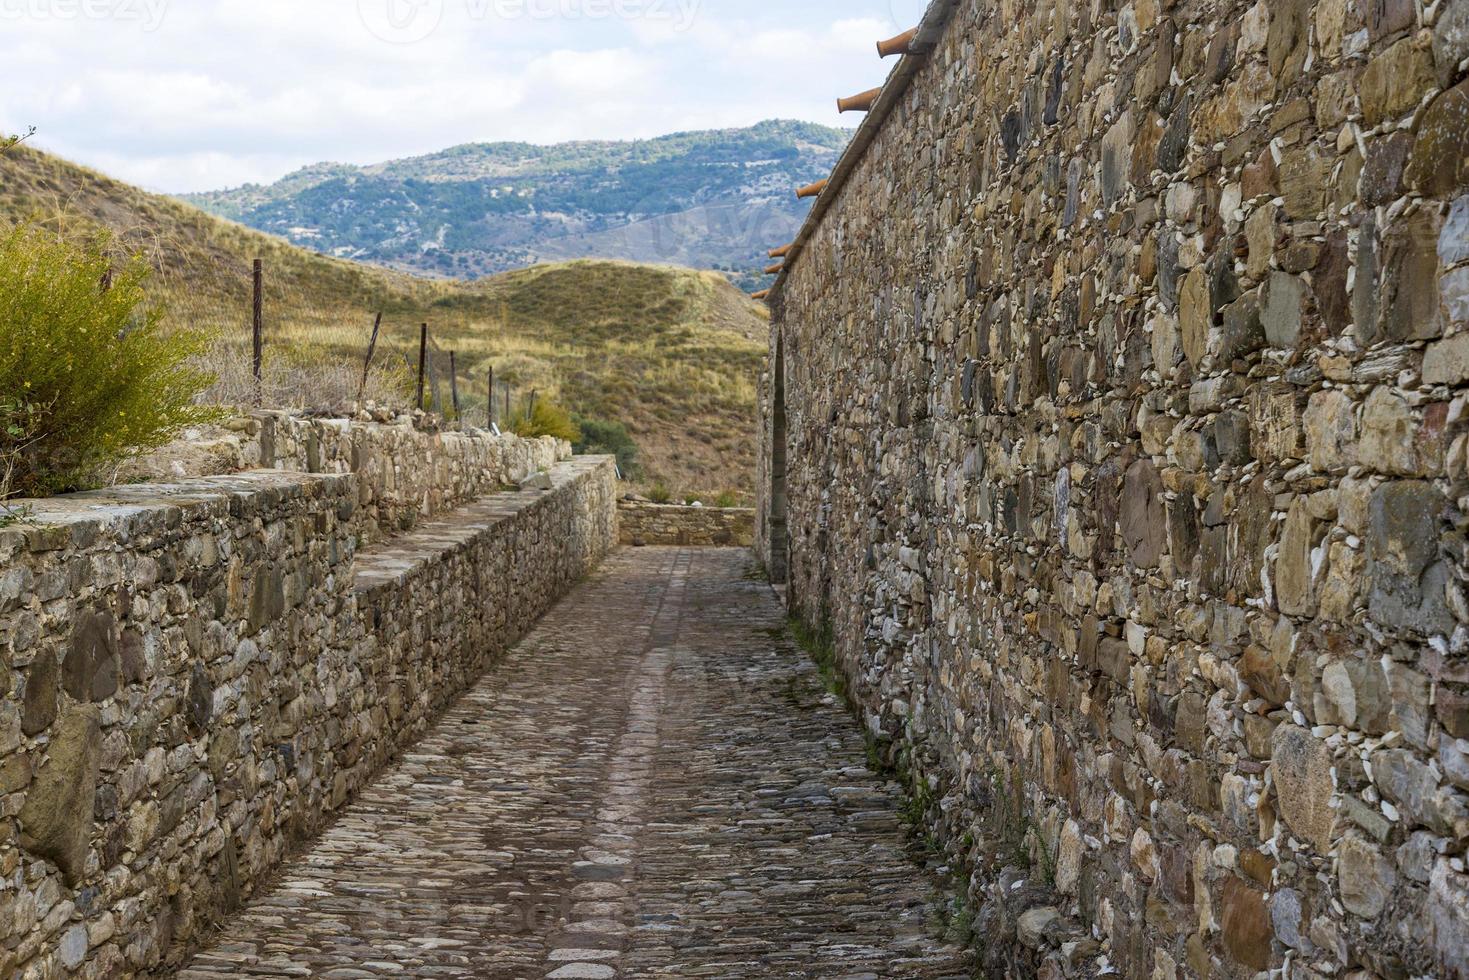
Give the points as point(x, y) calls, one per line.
point(716, 199)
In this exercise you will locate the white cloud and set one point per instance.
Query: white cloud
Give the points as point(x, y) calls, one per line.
point(229, 91)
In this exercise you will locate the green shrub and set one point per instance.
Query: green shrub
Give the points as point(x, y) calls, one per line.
point(545, 419)
point(87, 376)
point(604, 438)
point(727, 499)
point(660, 494)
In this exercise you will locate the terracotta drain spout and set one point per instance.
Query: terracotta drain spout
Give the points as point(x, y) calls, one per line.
point(812, 190)
point(859, 103)
point(897, 45)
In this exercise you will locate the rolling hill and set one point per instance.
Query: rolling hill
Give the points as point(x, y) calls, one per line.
point(671, 353)
point(717, 200)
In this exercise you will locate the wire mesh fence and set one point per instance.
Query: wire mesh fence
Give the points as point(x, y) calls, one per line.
point(313, 354)
point(321, 354)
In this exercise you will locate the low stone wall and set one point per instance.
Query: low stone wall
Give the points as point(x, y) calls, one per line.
point(644, 524)
point(195, 675)
point(408, 468)
point(448, 600)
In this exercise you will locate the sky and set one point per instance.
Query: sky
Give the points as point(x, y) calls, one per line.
point(190, 95)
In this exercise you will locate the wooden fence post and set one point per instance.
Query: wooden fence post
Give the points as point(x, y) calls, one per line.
point(258, 332)
point(454, 385)
point(367, 364)
point(422, 361)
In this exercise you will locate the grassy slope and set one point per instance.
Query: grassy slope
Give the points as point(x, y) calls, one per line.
point(672, 353)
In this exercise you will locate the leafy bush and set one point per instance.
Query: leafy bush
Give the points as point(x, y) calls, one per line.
point(545, 419)
point(87, 376)
point(660, 494)
point(603, 438)
point(727, 499)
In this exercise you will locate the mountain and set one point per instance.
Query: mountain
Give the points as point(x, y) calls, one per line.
point(716, 200)
point(673, 354)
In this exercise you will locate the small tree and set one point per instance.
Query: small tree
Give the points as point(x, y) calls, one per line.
point(88, 376)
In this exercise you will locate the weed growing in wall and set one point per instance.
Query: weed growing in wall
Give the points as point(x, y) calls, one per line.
point(820, 644)
point(953, 916)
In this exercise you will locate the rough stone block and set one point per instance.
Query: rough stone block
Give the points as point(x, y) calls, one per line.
point(41, 686)
point(1367, 877)
point(1387, 435)
point(1243, 333)
point(1302, 766)
point(1440, 162)
point(1448, 913)
point(1395, 80)
point(1406, 575)
point(56, 821)
point(1446, 362)
point(1245, 923)
point(1281, 307)
point(1410, 289)
point(1144, 516)
point(91, 670)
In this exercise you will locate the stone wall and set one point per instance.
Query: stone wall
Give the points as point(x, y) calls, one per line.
point(1125, 385)
point(408, 467)
point(196, 675)
point(644, 524)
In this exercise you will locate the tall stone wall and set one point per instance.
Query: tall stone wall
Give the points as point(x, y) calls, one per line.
point(1125, 385)
point(194, 676)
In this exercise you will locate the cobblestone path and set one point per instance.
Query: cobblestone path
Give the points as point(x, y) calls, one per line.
point(653, 785)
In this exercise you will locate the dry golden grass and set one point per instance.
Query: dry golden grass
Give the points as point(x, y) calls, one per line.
point(672, 353)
